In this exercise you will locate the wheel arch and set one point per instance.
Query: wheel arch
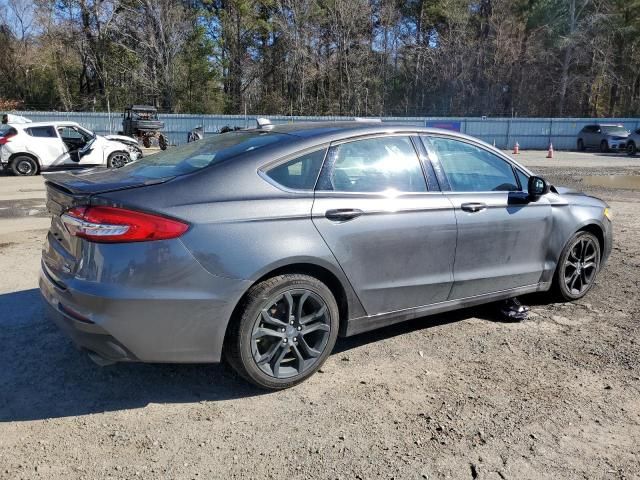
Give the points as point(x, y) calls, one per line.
point(25, 154)
point(598, 232)
point(322, 273)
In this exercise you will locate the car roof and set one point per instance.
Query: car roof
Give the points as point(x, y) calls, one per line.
point(339, 130)
point(145, 108)
point(44, 124)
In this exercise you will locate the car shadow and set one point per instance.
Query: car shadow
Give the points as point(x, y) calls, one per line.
point(44, 376)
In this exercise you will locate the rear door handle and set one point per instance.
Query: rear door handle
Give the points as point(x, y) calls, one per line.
point(473, 207)
point(343, 214)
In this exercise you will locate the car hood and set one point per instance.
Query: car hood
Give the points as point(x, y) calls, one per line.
point(122, 139)
point(575, 196)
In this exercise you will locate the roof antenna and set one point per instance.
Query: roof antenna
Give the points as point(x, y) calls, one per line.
point(264, 123)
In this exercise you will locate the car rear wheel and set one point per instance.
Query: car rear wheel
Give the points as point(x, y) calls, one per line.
point(604, 146)
point(285, 330)
point(24, 166)
point(581, 145)
point(631, 148)
point(578, 266)
point(117, 160)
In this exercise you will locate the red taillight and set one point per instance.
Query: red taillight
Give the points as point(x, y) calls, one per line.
point(5, 138)
point(114, 225)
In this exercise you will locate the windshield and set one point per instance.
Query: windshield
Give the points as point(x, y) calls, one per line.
point(615, 130)
point(198, 155)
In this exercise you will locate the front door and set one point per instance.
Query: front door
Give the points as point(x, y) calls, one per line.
point(75, 139)
point(394, 239)
point(502, 236)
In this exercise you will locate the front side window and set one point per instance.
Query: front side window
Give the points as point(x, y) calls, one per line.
point(374, 165)
point(74, 134)
point(472, 169)
point(300, 173)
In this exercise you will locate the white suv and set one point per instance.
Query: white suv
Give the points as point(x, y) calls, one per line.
point(29, 148)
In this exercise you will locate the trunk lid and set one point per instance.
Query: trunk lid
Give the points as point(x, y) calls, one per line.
point(92, 181)
point(62, 253)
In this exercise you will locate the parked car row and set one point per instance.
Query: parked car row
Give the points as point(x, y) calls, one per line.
point(34, 147)
point(608, 138)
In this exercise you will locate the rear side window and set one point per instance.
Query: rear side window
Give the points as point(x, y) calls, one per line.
point(374, 165)
point(45, 132)
point(300, 173)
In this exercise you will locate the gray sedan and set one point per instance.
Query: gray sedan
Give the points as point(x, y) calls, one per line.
point(263, 246)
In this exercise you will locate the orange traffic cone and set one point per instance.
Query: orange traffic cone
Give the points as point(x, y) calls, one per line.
point(516, 149)
point(550, 153)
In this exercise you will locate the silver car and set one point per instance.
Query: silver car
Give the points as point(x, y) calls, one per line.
point(604, 137)
point(633, 142)
point(263, 246)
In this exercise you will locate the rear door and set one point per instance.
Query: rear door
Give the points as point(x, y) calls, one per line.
point(46, 145)
point(393, 236)
point(502, 237)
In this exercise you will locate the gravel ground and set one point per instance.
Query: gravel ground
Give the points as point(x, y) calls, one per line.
point(458, 396)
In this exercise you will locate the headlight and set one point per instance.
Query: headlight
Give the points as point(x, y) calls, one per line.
point(608, 214)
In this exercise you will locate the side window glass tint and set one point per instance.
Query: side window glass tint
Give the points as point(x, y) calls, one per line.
point(70, 133)
point(376, 165)
point(300, 173)
point(524, 180)
point(45, 132)
point(472, 169)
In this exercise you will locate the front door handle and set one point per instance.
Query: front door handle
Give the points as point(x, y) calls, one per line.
point(343, 214)
point(473, 207)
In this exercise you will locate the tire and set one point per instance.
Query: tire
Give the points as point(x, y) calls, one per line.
point(162, 142)
point(146, 141)
point(265, 360)
point(118, 160)
point(581, 147)
point(604, 146)
point(24, 166)
point(631, 148)
point(585, 276)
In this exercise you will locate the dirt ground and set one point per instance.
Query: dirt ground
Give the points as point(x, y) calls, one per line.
point(460, 396)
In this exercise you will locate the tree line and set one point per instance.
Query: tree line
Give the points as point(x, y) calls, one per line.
point(324, 57)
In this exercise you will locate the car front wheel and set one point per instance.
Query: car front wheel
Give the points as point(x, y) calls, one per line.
point(578, 266)
point(24, 166)
point(285, 330)
point(604, 146)
point(631, 148)
point(118, 160)
point(581, 145)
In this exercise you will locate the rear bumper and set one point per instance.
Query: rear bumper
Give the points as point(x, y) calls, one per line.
point(88, 337)
point(182, 320)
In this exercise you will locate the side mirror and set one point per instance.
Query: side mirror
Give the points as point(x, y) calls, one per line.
point(537, 187)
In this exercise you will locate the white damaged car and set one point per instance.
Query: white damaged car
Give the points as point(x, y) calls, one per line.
point(31, 148)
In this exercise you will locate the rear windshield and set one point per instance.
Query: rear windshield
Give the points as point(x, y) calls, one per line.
point(615, 129)
point(4, 129)
point(201, 154)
